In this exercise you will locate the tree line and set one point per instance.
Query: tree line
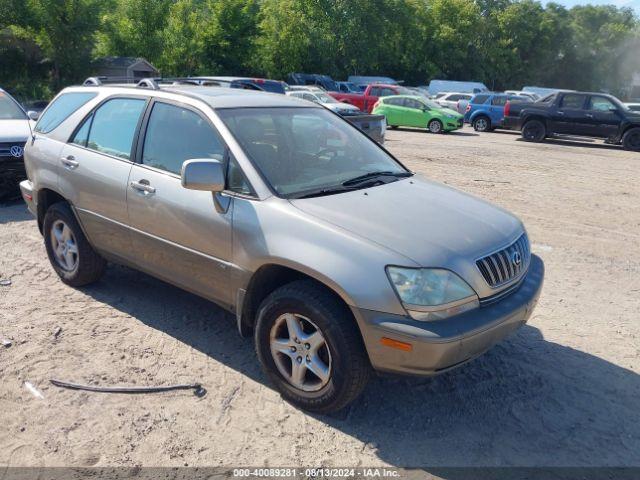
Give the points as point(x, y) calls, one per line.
point(48, 44)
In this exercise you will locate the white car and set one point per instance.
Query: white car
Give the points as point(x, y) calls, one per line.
point(521, 93)
point(15, 129)
point(634, 107)
point(451, 99)
point(325, 100)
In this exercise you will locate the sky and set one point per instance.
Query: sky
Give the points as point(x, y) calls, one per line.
point(635, 4)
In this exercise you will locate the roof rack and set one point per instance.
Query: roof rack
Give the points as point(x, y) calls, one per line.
point(152, 83)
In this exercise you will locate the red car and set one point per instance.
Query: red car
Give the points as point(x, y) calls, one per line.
point(366, 101)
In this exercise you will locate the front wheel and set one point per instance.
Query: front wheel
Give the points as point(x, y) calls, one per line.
point(534, 131)
point(69, 251)
point(631, 140)
point(435, 126)
point(310, 347)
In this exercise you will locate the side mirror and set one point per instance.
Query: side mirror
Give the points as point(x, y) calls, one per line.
point(33, 115)
point(203, 174)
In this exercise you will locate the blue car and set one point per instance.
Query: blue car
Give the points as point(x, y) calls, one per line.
point(485, 111)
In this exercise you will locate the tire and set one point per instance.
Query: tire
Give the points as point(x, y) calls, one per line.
point(435, 126)
point(631, 139)
point(482, 123)
point(534, 131)
point(342, 359)
point(69, 251)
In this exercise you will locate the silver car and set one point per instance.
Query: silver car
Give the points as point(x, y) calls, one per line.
point(338, 259)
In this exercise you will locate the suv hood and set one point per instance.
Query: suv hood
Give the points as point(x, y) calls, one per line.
point(14, 131)
point(430, 223)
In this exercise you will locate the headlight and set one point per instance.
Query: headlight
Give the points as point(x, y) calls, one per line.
point(432, 293)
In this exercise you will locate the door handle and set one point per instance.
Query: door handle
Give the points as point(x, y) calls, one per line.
point(560, 113)
point(69, 162)
point(588, 115)
point(143, 186)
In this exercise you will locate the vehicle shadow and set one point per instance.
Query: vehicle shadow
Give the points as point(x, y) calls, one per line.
point(14, 211)
point(455, 132)
point(578, 142)
point(527, 402)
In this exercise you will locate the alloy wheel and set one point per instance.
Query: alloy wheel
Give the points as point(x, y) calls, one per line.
point(435, 127)
point(300, 352)
point(64, 245)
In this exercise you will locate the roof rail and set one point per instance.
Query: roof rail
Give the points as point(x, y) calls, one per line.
point(149, 83)
point(92, 81)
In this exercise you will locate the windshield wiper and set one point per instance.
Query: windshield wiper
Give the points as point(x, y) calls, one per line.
point(321, 192)
point(372, 175)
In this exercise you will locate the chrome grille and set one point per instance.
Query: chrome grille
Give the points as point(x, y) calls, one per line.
point(507, 264)
point(5, 148)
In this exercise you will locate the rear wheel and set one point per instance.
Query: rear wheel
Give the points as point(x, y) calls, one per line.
point(310, 347)
point(631, 139)
point(69, 251)
point(534, 131)
point(481, 123)
point(435, 126)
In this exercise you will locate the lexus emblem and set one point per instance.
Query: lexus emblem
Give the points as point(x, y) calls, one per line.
point(16, 151)
point(516, 258)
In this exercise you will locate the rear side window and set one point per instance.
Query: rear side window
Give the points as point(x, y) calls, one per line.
point(411, 103)
point(175, 134)
point(499, 101)
point(113, 126)
point(394, 101)
point(479, 99)
point(572, 101)
point(61, 108)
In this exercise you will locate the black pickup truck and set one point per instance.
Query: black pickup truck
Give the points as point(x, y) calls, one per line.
point(576, 113)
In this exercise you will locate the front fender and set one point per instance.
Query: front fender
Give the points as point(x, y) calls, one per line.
point(274, 232)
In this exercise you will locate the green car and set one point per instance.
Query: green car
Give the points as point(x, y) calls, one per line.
point(416, 111)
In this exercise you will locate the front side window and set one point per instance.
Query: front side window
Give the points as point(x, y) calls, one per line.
point(114, 126)
point(61, 108)
point(175, 134)
point(9, 109)
point(601, 104)
point(572, 101)
point(302, 150)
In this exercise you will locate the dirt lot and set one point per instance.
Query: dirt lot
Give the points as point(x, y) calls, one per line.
point(563, 391)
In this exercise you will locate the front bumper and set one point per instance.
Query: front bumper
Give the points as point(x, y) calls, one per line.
point(453, 124)
point(12, 171)
point(441, 345)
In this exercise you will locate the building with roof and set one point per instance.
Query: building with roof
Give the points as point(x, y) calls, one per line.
point(129, 68)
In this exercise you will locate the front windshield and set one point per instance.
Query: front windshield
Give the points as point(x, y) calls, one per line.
point(324, 98)
point(299, 150)
point(9, 109)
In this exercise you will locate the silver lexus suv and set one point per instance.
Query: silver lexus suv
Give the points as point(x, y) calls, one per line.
point(334, 256)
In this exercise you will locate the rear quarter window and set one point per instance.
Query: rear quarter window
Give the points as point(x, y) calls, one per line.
point(61, 108)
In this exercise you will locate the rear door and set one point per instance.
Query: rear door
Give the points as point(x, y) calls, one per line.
point(496, 110)
point(603, 117)
point(570, 117)
point(178, 235)
point(95, 168)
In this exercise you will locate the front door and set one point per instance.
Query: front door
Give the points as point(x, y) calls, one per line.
point(178, 235)
point(414, 113)
point(603, 117)
point(95, 167)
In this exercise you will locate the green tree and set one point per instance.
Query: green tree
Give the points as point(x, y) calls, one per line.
point(134, 28)
point(65, 32)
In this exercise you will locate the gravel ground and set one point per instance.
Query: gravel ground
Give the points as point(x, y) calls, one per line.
point(562, 391)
